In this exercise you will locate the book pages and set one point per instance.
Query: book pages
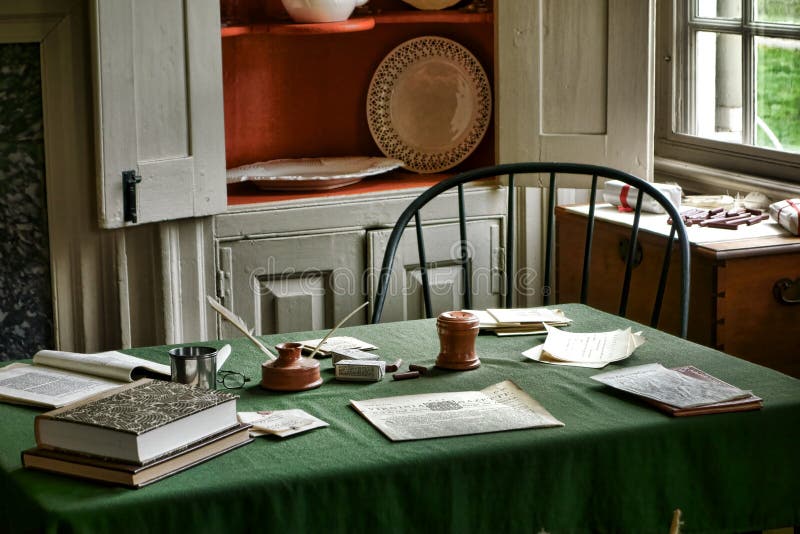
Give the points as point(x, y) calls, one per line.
point(111, 364)
point(654, 381)
point(48, 387)
point(435, 415)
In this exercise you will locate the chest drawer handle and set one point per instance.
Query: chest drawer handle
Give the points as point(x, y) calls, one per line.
point(787, 291)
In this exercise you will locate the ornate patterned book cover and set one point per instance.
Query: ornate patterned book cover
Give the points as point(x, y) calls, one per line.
point(145, 406)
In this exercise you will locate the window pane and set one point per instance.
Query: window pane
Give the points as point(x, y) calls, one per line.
point(778, 94)
point(787, 11)
point(721, 9)
point(718, 87)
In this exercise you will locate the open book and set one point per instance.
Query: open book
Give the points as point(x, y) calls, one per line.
point(59, 378)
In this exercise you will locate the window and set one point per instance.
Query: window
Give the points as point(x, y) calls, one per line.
point(729, 85)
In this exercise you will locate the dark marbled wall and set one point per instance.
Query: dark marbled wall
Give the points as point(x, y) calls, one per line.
point(26, 310)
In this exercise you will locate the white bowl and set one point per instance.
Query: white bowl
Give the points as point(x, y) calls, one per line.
point(310, 11)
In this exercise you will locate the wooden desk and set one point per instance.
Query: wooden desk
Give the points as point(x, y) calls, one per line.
point(732, 303)
point(617, 465)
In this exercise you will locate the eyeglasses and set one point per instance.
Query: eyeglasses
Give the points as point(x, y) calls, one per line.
point(231, 379)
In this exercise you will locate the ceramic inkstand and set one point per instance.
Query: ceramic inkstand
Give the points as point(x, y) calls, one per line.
point(457, 332)
point(290, 371)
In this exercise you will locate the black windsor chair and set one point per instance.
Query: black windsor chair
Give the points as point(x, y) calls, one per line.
point(677, 235)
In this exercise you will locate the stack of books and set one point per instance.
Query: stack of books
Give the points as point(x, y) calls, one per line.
point(519, 321)
point(137, 433)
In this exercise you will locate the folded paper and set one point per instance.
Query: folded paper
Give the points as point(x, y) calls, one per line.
point(624, 196)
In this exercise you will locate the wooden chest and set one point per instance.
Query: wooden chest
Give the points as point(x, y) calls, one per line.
point(745, 293)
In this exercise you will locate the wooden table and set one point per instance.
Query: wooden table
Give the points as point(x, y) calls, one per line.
point(617, 465)
point(733, 303)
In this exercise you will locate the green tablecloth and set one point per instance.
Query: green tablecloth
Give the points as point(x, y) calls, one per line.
point(616, 465)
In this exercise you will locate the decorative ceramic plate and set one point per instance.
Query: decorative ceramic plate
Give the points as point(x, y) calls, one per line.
point(432, 4)
point(429, 104)
point(310, 174)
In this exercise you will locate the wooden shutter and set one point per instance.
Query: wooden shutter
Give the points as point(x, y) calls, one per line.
point(575, 83)
point(159, 108)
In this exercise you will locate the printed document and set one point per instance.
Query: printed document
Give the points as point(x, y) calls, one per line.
point(656, 382)
point(58, 378)
point(500, 407)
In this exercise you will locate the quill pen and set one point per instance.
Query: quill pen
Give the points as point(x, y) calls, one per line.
point(238, 323)
point(336, 328)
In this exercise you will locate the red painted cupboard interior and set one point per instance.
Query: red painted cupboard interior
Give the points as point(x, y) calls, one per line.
point(291, 94)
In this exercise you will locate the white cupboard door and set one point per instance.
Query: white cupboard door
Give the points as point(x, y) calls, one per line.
point(575, 83)
point(405, 300)
point(159, 108)
point(287, 284)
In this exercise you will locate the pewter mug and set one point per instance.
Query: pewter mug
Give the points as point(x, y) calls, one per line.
point(194, 365)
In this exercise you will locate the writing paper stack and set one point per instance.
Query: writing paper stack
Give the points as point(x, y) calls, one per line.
point(519, 321)
point(596, 349)
point(682, 391)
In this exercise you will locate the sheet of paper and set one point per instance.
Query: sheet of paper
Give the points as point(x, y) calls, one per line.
point(111, 364)
point(48, 387)
point(280, 423)
point(436, 415)
point(337, 342)
point(486, 320)
point(655, 381)
point(595, 347)
point(537, 354)
point(222, 356)
point(527, 315)
point(510, 394)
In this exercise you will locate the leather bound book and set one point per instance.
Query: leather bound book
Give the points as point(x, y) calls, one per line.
point(137, 422)
point(133, 475)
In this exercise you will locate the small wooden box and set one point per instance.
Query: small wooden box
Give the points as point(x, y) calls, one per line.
point(733, 302)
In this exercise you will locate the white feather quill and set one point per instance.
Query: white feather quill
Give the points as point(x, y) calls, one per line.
point(238, 323)
point(336, 328)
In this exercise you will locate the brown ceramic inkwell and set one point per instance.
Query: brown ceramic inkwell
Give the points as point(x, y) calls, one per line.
point(457, 332)
point(291, 371)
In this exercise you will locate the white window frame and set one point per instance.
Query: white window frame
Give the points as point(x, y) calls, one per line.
point(707, 165)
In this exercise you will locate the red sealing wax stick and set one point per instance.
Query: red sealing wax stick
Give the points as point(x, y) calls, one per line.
point(722, 225)
point(394, 366)
point(756, 219)
point(421, 369)
point(406, 376)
